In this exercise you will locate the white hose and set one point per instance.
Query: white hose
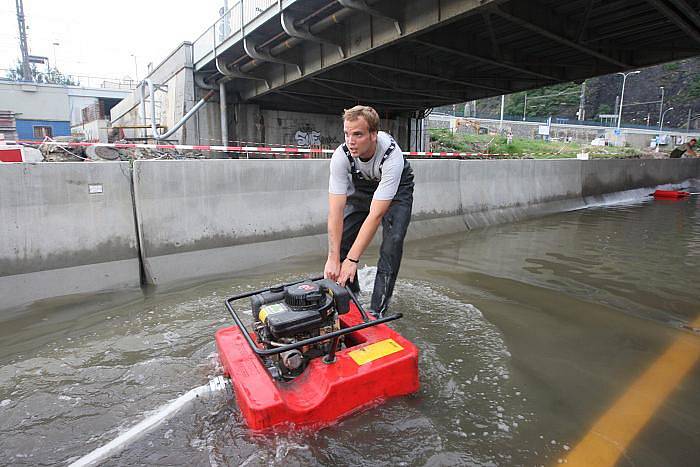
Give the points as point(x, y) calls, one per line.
point(120, 442)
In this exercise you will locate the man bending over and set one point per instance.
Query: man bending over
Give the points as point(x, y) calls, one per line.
point(370, 183)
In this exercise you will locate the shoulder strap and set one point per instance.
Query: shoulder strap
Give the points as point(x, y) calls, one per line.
point(353, 167)
point(386, 155)
point(349, 156)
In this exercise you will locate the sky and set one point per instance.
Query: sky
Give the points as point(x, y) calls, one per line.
point(110, 39)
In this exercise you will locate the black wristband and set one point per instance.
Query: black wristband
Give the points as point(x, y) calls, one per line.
point(352, 260)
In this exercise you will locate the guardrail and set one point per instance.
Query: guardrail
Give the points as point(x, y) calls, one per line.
point(85, 81)
point(231, 22)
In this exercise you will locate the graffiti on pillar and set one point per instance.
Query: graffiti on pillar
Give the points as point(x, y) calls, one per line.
point(306, 136)
point(328, 141)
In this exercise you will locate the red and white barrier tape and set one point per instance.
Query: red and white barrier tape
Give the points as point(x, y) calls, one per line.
point(259, 149)
point(176, 146)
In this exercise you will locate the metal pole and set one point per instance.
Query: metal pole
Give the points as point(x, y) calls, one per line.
point(582, 102)
point(661, 107)
point(24, 48)
point(663, 115)
point(525, 108)
point(503, 104)
point(690, 111)
point(136, 68)
point(622, 100)
point(661, 126)
point(55, 60)
point(224, 115)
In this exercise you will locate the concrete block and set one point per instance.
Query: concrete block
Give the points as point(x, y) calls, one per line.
point(600, 177)
point(66, 228)
point(437, 205)
point(494, 192)
point(216, 205)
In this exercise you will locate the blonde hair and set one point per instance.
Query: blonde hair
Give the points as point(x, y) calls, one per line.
point(368, 113)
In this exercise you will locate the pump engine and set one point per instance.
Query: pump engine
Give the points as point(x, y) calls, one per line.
point(289, 314)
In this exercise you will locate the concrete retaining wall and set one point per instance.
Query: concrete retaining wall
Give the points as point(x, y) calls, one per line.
point(437, 201)
point(200, 218)
point(57, 238)
point(511, 190)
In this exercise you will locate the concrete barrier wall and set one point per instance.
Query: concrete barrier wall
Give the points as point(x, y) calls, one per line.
point(437, 201)
point(208, 217)
point(600, 177)
point(58, 238)
point(511, 190)
point(200, 218)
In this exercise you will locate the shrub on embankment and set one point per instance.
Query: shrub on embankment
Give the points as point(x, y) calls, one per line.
point(446, 140)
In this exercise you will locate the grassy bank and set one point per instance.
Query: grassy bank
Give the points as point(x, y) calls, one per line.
point(445, 140)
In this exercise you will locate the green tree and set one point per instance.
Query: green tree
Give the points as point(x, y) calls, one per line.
point(50, 76)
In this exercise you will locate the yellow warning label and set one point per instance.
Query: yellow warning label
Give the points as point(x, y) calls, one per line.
point(271, 310)
point(375, 351)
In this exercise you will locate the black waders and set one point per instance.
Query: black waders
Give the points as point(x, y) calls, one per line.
point(394, 226)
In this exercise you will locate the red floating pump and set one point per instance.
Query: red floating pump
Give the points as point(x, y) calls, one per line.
point(671, 194)
point(313, 356)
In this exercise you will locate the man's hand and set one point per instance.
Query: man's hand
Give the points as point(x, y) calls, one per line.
point(347, 272)
point(332, 269)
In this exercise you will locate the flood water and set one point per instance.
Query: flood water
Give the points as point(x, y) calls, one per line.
point(528, 333)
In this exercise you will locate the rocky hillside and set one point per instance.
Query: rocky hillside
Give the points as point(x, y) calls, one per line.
point(681, 82)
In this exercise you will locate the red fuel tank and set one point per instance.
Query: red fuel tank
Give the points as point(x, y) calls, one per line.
point(376, 364)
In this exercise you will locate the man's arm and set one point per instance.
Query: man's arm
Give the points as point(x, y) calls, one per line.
point(369, 227)
point(336, 204)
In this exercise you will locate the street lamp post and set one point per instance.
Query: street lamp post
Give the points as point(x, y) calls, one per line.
point(503, 105)
point(136, 67)
point(55, 62)
point(622, 95)
point(661, 107)
point(663, 115)
point(661, 126)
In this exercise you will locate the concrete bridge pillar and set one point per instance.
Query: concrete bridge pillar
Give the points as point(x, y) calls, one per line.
point(248, 123)
point(410, 133)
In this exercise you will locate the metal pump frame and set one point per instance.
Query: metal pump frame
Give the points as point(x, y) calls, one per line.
point(330, 358)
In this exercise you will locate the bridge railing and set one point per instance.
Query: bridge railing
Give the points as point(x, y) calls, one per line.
point(85, 81)
point(230, 23)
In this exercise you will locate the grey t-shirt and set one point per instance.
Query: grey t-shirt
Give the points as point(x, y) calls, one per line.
point(340, 182)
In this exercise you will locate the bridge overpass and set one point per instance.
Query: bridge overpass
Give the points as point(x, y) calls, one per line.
point(321, 56)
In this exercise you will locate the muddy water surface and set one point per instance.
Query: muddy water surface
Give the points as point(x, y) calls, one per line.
point(528, 333)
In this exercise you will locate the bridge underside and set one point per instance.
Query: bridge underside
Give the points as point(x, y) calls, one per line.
point(440, 52)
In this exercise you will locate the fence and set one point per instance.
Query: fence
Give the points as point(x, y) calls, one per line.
point(231, 22)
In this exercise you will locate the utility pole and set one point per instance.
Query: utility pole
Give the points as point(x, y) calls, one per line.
point(26, 70)
point(661, 107)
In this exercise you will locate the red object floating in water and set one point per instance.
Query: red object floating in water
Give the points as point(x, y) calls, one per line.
point(671, 194)
point(377, 364)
